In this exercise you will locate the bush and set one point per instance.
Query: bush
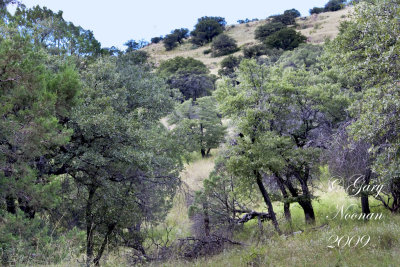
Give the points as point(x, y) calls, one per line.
point(170, 42)
point(31, 242)
point(181, 65)
point(206, 29)
point(192, 85)
point(266, 30)
point(156, 40)
point(255, 51)
point(288, 17)
point(306, 55)
point(180, 34)
point(332, 5)
point(133, 45)
point(286, 39)
point(207, 51)
point(316, 10)
point(188, 75)
point(292, 13)
point(229, 65)
point(335, 5)
point(176, 36)
point(223, 45)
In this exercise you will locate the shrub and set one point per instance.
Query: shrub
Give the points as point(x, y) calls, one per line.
point(332, 5)
point(288, 17)
point(180, 65)
point(180, 34)
point(192, 85)
point(286, 39)
point(156, 40)
point(176, 36)
point(335, 5)
point(255, 51)
point(266, 30)
point(241, 21)
point(206, 29)
point(316, 10)
point(170, 42)
point(229, 65)
point(207, 51)
point(292, 12)
point(188, 75)
point(306, 55)
point(133, 45)
point(223, 45)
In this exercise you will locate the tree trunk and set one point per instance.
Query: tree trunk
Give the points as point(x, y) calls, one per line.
point(96, 261)
point(286, 210)
point(308, 210)
point(203, 150)
point(286, 204)
point(305, 201)
point(206, 218)
point(267, 200)
point(364, 195)
point(89, 227)
point(203, 153)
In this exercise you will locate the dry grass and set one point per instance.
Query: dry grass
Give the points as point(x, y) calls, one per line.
point(316, 28)
point(192, 177)
point(195, 173)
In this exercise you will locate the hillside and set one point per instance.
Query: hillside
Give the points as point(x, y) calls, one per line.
point(316, 28)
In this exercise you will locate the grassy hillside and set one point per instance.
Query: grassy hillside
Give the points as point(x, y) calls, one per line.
point(316, 28)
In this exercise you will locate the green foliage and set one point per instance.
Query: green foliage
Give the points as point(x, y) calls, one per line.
point(316, 10)
point(133, 45)
point(31, 241)
point(335, 5)
point(206, 29)
point(174, 38)
point(223, 45)
point(364, 59)
point(274, 109)
point(36, 102)
point(332, 5)
point(305, 56)
point(292, 12)
point(258, 50)
point(263, 31)
point(287, 18)
point(180, 34)
point(198, 126)
point(286, 39)
point(170, 42)
point(188, 75)
point(156, 40)
point(113, 168)
point(229, 65)
point(182, 65)
point(51, 31)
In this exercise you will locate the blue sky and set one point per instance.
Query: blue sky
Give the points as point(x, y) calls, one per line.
point(115, 22)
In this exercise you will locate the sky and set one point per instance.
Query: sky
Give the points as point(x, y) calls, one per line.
point(115, 22)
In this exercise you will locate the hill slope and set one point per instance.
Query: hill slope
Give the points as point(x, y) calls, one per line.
point(316, 28)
